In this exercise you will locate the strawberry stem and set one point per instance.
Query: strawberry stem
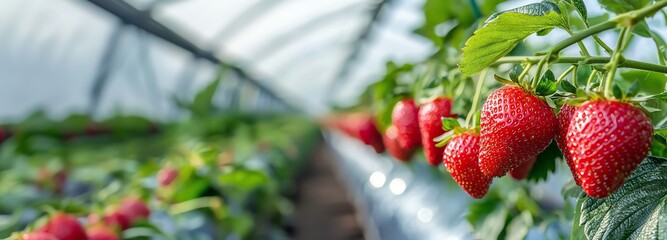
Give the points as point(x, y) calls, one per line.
point(574, 75)
point(525, 71)
point(585, 60)
point(538, 72)
point(584, 51)
point(590, 79)
point(623, 38)
point(562, 76)
point(475, 100)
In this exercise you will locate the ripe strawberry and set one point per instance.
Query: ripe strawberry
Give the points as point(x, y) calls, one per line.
point(64, 226)
point(101, 232)
point(430, 126)
point(607, 140)
point(522, 171)
point(133, 209)
point(461, 160)
point(390, 139)
point(404, 117)
point(54, 181)
point(369, 134)
point(4, 134)
point(564, 117)
point(515, 127)
point(38, 236)
point(166, 176)
point(117, 219)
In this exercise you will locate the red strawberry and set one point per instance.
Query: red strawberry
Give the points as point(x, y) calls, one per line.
point(522, 171)
point(404, 117)
point(607, 140)
point(564, 117)
point(369, 134)
point(38, 236)
point(166, 176)
point(430, 125)
point(64, 226)
point(515, 127)
point(101, 232)
point(117, 219)
point(390, 139)
point(461, 160)
point(134, 209)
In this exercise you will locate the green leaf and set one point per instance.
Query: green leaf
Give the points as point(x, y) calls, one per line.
point(659, 146)
point(642, 29)
point(547, 84)
point(443, 139)
point(449, 123)
point(583, 72)
point(203, 101)
point(649, 82)
point(598, 19)
point(244, 179)
point(622, 6)
point(616, 90)
point(633, 90)
point(518, 228)
point(501, 80)
point(504, 31)
point(193, 189)
point(649, 108)
point(581, 8)
point(568, 87)
point(638, 210)
point(545, 164)
point(577, 230)
point(493, 224)
point(515, 73)
point(571, 189)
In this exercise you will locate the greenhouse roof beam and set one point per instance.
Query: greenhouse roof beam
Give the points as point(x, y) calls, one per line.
point(130, 15)
point(355, 50)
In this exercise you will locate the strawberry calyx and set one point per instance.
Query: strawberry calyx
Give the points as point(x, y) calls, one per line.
point(452, 128)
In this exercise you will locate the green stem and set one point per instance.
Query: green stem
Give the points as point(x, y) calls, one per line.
point(584, 51)
point(627, 19)
point(203, 202)
point(574, 75)
point(525, 71)
point(590, 79)
point(613, 64)
point(586, 60)
point(583, 34)
point(568, 70)
point(475, 100)
point(538, 72)
point(606, 48)
point(639, 15)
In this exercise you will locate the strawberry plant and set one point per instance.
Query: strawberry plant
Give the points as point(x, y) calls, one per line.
point(582, 99)
point(128, 177)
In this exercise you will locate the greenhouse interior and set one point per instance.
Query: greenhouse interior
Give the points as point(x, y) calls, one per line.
point(333, 119)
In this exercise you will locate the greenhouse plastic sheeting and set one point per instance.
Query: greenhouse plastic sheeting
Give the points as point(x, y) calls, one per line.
point(51, 51)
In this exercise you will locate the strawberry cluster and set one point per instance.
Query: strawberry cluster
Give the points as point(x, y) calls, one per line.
point(62, 226)
point(602, 140)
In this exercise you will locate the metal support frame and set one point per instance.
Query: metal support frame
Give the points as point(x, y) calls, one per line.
point(140, 19)
point(104, 68)
point(347, 63)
